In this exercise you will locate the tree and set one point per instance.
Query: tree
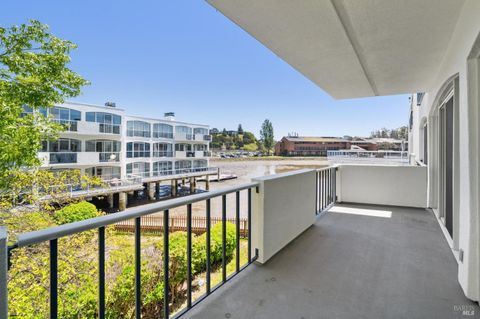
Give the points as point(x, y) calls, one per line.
point(266, 135)
point(33, 74)
point(249, 138)
point(240, 129)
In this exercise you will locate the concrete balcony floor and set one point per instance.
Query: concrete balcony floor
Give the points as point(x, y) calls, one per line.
point(356, 261)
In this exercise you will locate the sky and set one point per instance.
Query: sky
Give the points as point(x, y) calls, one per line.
point(153, 56)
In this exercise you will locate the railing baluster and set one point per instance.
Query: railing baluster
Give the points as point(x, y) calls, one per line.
point(166, 283)
point(138, 277)
point(189, 255)
point(237, 224)
point(53, 279)
point(224, 238)
point(335, 185)
point(316, 192)
point(249, 225)
point(208, 245)
point(321, 190)
point(327, 190)
point(101, 273)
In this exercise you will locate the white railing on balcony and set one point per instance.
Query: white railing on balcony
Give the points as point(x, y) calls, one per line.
point(355, 156)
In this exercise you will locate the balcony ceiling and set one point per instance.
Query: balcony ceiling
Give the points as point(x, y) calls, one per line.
point(353, 48)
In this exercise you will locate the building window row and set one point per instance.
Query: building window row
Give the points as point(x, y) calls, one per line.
point(162, 168)
point(138, 129)
point(162, 150)
point(139, 169)
point(62, 145)
point(104, 172)
point(161, 130)
point(200, 130)
point(138, 149)
point(108, 123)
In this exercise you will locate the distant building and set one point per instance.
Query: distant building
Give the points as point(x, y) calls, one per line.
point(309, 146)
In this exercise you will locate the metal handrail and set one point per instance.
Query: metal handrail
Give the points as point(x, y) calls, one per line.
point(47, 234)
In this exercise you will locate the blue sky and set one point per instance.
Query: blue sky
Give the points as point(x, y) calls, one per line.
point(183, 56)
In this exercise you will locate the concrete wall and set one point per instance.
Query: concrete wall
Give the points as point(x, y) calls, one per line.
point(282, 210)
point(382, 185)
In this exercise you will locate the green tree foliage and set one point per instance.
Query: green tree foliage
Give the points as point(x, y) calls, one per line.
point(240, 129)
point(266, 135)
point(398, 133)
point(75, 212)
point(33, 73)
point(233, 142)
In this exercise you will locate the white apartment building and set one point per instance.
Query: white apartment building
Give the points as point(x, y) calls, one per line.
point(105, 141)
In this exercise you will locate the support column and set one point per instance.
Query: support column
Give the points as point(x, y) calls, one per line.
point(157, 188)
point(207, 182)
point(151, 191)
point(175, 187)
point(192, 184)
point(110, 200)
point(122, 201)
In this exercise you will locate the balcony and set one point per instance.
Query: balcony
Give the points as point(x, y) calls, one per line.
point(383, 257)
point(183, 137)
point(202, 137)
point(357, 261)
point(93, 129)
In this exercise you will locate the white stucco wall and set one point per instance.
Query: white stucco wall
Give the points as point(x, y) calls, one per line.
point(466, 219)
point(382, 185)
point(282, 210)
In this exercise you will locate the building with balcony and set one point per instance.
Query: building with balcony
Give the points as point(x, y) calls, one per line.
point(105, 141)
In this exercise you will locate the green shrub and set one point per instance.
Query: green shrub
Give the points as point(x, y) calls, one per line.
point(121, 297)
point(75, 212)
point(199, 257)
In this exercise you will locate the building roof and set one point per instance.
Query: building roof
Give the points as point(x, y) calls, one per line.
point(353, 48)
point(314, 139)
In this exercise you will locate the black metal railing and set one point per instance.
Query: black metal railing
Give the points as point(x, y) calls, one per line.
point(51, 236)
point(325, 188)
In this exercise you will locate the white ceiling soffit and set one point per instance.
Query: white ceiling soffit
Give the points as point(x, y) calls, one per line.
point(353, 48)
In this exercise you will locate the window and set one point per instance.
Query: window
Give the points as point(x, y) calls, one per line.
point(102, 146)
point(62, 145)
point(182, 147)
point(183, 166)
point(161, 130)
point(138, 149)
point(138, 129)
point(184, 131)
point(162, 150)
point(62, 158)
point(199, 147)
point(109, 123)
point(162, 168)
point(420, 98)
point(200, 130)
point(104, 172)
point(200, 164)
point(61, 115)
point(109, 150)
point(139, 169)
